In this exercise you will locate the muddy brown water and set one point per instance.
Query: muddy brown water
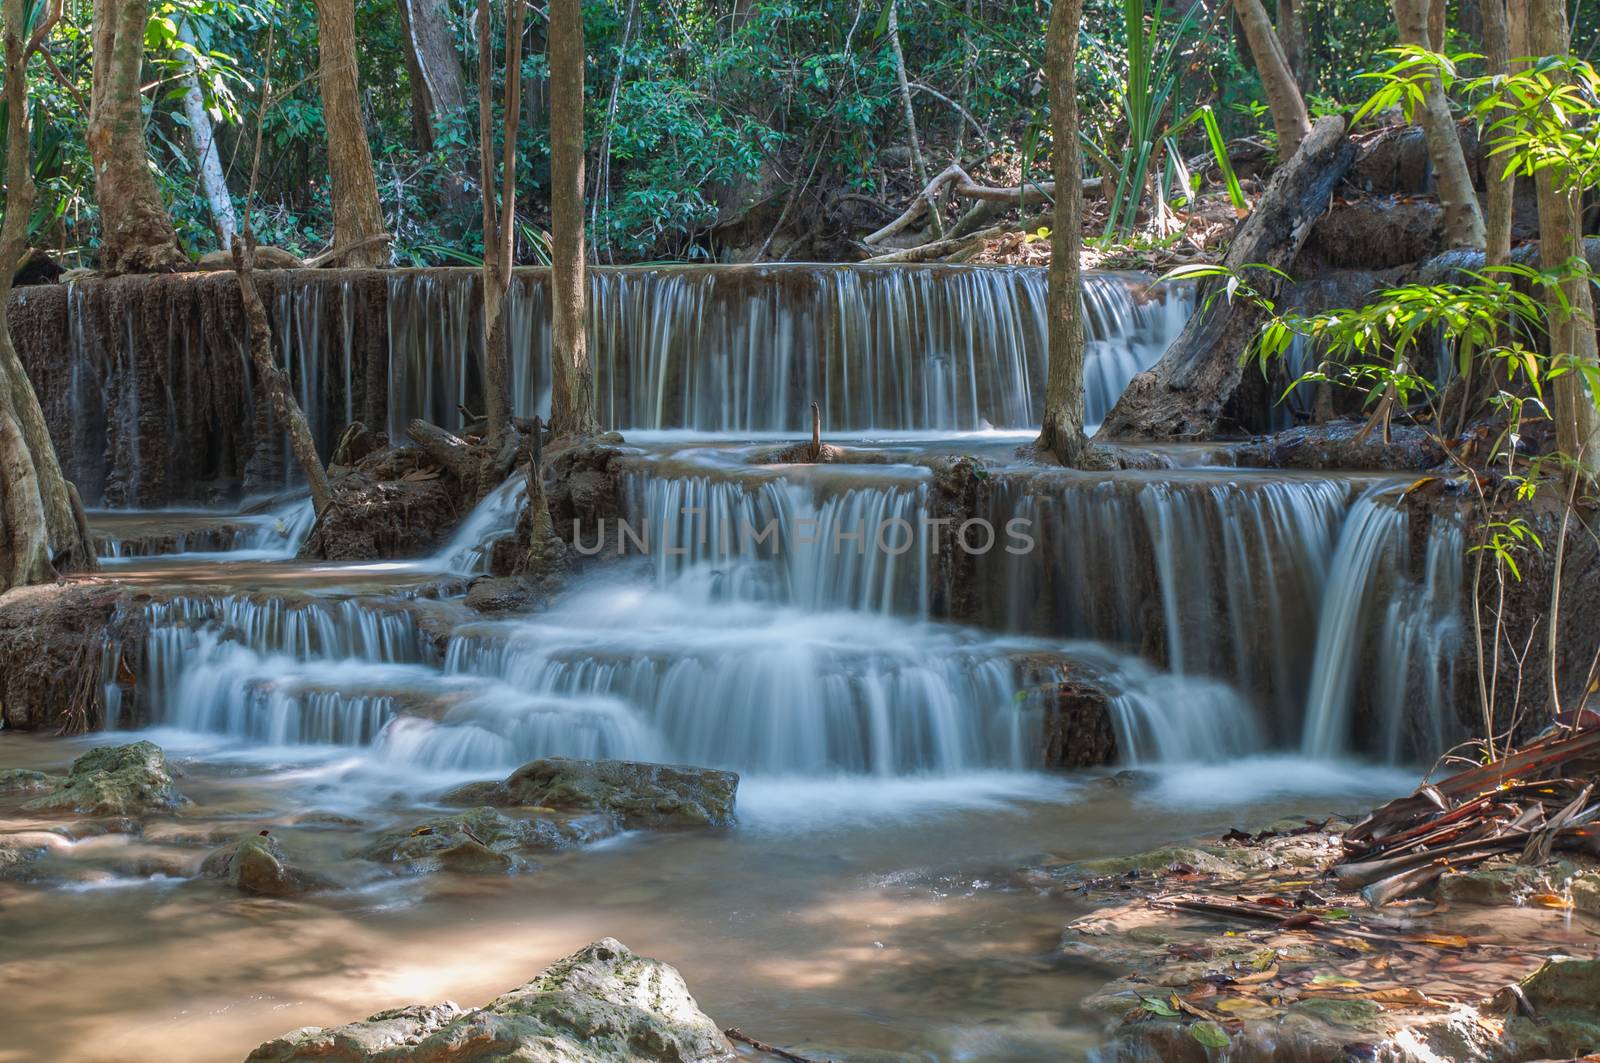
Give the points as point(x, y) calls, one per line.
point(860, 920)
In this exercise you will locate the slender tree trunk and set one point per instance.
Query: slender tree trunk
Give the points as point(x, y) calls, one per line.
point(1288, 107)
point(1062, 431)
point(572, 389)
point(499, 225)
point(274, 380)
point(39, 516)
point(1571, 310)
point(437, 93)
point(919, 166)
point(1501, 188)
point(357, 215)
point(204, 136)
point(136, 234)
point(1463, 220)
point(1292, 38)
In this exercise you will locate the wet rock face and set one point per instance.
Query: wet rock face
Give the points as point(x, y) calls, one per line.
point(485, 840)
point(640, 795)
point(1335, 446)
point(130, 780)
point(257, 864)
point(52, 645)
point(602, 1004)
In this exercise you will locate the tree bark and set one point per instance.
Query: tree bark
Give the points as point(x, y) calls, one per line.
point(213, 182)
point(1463, 220)
point(1288, 107)
point(39, 513)
point(275, 381)
point(572, 389)
point(1501, 187)
point(1061, 432)
point(1292, 38)
point(448, 449)
point(499, 223)
point(918, 165)
point(357, 215)
point(437, 93)
point(136, 234)
point(1199, 385)
point(1571, 309)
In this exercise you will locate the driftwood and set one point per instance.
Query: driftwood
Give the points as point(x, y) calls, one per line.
point(959, 183)
point(1195, 388)
point(447, 449)
point(733, 1033)
point(1532, 802)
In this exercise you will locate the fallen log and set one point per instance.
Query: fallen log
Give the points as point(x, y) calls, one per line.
point(452, 452)
point(959, 183)
point(1199, 386)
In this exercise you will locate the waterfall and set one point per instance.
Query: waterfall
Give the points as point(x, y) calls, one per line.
point(276, 534)
point(747, 348)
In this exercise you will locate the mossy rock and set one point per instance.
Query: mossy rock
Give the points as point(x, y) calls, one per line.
point(24, 781)
point(257, 864)
point(130, 780)
point(485, 840)
point(642, 796)
point(602, 1004)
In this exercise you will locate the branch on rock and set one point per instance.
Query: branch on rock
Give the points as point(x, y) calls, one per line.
point(953, 245)
point(959, 183)
point(447, 449)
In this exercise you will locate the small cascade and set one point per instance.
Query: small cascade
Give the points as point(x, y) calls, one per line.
point(1214, 574)
point(828, 542)
point(1417, 625)
point(747, 348)
point(467, 552)
point(276, 534)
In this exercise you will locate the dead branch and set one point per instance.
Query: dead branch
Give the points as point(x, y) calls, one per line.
point(733, 1033)
point(959, 183)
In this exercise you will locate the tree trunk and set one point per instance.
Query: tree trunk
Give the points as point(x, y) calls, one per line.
point(357, 215)
point(275, 381)
point(1288, 107)
point(1292, 39)
point(1062, 430)
point(1199, 385)
point(438, 96)
point(1501, 187)
point(499, 223)
point(918, 166)
point(31, 483)
point(1463, 220)
point(572, 389)
point(136, 234)
point(204, 136)
point(1570, 310)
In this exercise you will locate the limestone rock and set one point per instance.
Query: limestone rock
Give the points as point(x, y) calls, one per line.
point(22, 781)
point(1565, 997)
point(130, 780)
point(602, 1004)
point(256, 863)
point(485, 841)
point(642, 796)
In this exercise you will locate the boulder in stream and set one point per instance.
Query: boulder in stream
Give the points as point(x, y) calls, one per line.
point(256, 863)
point(486, 841)
point(642, 796)
point(130, 780)
point(24, 781)
point(602, 1004)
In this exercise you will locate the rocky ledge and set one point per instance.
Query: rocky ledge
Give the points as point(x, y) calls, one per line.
point(1239, 948)
point(641, 796)
point(602, 1004)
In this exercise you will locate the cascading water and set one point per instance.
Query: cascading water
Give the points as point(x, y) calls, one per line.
point(746, 349)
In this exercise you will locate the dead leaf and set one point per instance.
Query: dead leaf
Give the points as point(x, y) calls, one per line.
point(1551, 900)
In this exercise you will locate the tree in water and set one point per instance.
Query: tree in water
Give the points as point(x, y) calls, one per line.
point(499, 225)
point(137, 234)
point(357, 216)
point(572, 388)
point(41, 520)
point(1062, 431)
point(1277, 75)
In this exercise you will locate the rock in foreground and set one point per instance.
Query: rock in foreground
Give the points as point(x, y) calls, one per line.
point(602, 1004)
point(130, 780)
point(256, 863)
point(485, 840)
point(642, 796)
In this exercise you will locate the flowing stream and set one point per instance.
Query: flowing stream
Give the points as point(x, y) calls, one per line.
point(874, 676)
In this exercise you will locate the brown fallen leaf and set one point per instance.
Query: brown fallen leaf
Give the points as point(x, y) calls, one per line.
point(1443, 941)
point(1551, 900)
point(1266, 974)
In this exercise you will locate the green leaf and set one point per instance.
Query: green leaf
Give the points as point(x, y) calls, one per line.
point(1209, 1034)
